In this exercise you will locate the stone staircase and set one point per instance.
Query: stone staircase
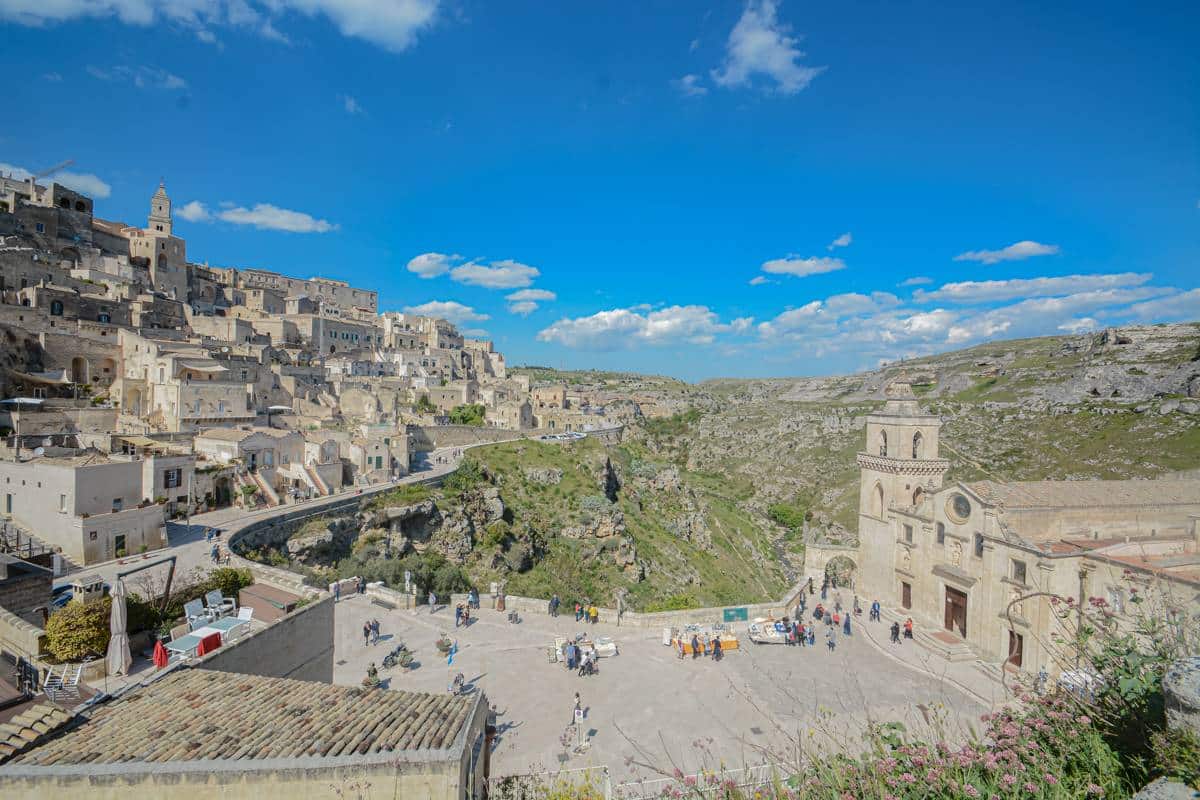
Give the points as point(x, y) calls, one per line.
point(316, 480)
point(937, 640)
point(265, 489)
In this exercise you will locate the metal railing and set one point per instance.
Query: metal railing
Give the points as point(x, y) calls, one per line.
point(586, 783)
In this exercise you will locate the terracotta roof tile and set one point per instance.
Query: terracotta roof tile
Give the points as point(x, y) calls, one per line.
point(197, 714)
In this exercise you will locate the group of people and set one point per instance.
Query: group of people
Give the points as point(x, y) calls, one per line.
point(462, 615)
point(703, 645)
point(370, 632)
point(577, 658)
point(587, 612)
point(908, 630)
point(359, 587)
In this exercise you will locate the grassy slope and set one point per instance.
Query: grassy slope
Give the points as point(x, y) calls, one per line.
point(739, 569)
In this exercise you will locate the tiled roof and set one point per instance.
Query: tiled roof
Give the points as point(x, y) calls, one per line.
point(30, 726)
point(1087, 494)
point(197, 714)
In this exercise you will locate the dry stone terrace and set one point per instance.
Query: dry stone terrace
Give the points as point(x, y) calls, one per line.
point(646, 704)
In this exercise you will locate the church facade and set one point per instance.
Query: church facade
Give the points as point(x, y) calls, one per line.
point(975, 564)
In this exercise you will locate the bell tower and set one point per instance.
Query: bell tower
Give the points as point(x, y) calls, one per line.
point(899, 466)
point(160, 211)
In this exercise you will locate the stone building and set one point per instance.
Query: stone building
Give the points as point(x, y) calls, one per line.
point(206, 734)
point(156, 246)
point(91, 505)
point(973, 563)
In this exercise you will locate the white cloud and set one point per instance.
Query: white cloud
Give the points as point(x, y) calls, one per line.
point(760, 45)
point(625, 328)
point(194, 211)
point(918, 280)
point(391, 24)
point(53, 77)
point(142, 77)
point(450, 310)
point(265, 216)
point(525, 301)
point(506, 274)
point(431, 265)
point(842, 241)
point(83, 182)
point(690, 86)
point(351, 105)
point(1181, 306)
point(1014, 252)
point(993, 291)
point(759, 280)
point(801, 267)
point(1081, 325)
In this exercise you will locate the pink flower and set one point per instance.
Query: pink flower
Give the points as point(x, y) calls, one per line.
point(1050, 779)
point(1096, 790)
point(970, 791)
point(1031, 787)
point(1084, 719)
point(1008, 779)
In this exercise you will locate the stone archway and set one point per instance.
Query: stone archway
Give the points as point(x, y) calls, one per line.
point(841, 570)
point(133, 402)
point(79, 370)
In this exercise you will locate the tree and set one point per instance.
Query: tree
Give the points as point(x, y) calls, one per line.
point(468, 414)
point(425, 405)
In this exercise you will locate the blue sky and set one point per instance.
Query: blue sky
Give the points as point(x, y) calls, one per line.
point(694, 189)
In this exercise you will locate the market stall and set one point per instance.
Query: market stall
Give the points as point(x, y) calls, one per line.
point(681, 638)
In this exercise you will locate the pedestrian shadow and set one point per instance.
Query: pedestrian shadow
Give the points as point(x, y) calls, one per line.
point(383, 637)
point(469, 686)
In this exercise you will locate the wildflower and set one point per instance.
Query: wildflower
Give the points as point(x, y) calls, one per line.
point(908, 777)
point(970, 791)
point(1084, 719)
point(1096, 790)
point(1050, 779)
point(1008, 779)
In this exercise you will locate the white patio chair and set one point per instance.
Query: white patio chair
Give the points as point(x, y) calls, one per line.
point(218, 604)
point(245, 613)
point(196, 614)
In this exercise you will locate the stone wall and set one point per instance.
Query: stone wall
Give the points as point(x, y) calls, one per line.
point(430, 437)
point(298, 646)
point(20, 638)
point(20, 594)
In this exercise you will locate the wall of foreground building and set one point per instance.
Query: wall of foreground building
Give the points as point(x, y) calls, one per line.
point(299, 646)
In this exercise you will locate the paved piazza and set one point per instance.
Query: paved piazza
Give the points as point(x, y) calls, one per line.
point(645, 703)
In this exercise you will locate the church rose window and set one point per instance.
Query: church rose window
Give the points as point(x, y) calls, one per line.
point(958, 508)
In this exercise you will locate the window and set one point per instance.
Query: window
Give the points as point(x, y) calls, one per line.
point(979, 545)
point(917, 444)
point(906, 594)
point(172, 478)
point(56, 308)
point(1018, 571)
point(1116, 599)
point(104, 318)
point(62, 504)
point(40, 227)
point(908, 533)
point(116, 504)
point(941, 533)
point(883, 443)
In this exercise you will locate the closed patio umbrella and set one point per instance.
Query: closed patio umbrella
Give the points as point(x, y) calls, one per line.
point(119, 658)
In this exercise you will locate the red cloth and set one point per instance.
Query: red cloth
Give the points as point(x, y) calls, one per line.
point(160, 655)
point(209, 643)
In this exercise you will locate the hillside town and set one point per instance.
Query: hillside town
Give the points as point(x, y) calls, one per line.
point(141, 386)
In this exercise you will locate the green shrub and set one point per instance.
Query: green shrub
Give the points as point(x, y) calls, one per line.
point(470, 414)
point(424, 405)
point(79, 629)
point(469, 474)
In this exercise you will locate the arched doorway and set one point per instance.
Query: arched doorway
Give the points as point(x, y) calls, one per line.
point(877, 501)
point(133, 404)
point(840, 571)
point(79, 370)
point(918, 496)
point(222, 492)
point(918, 445)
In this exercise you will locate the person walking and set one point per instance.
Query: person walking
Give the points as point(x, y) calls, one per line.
point(366, 633)
point(830, 639)
point(812, 636)
point(577, 711)
point(895, 633)
point(578, 610)
point(432, 601)
point(374, 631)
point(875, 610)
point(846, 625)
point(908, 628)
point(360, 585)
point(458, 615)
point(695, 646)
point(554, 604)
point(215, 553)
point(810, 585)
point(716, 649)
point(337, 591)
